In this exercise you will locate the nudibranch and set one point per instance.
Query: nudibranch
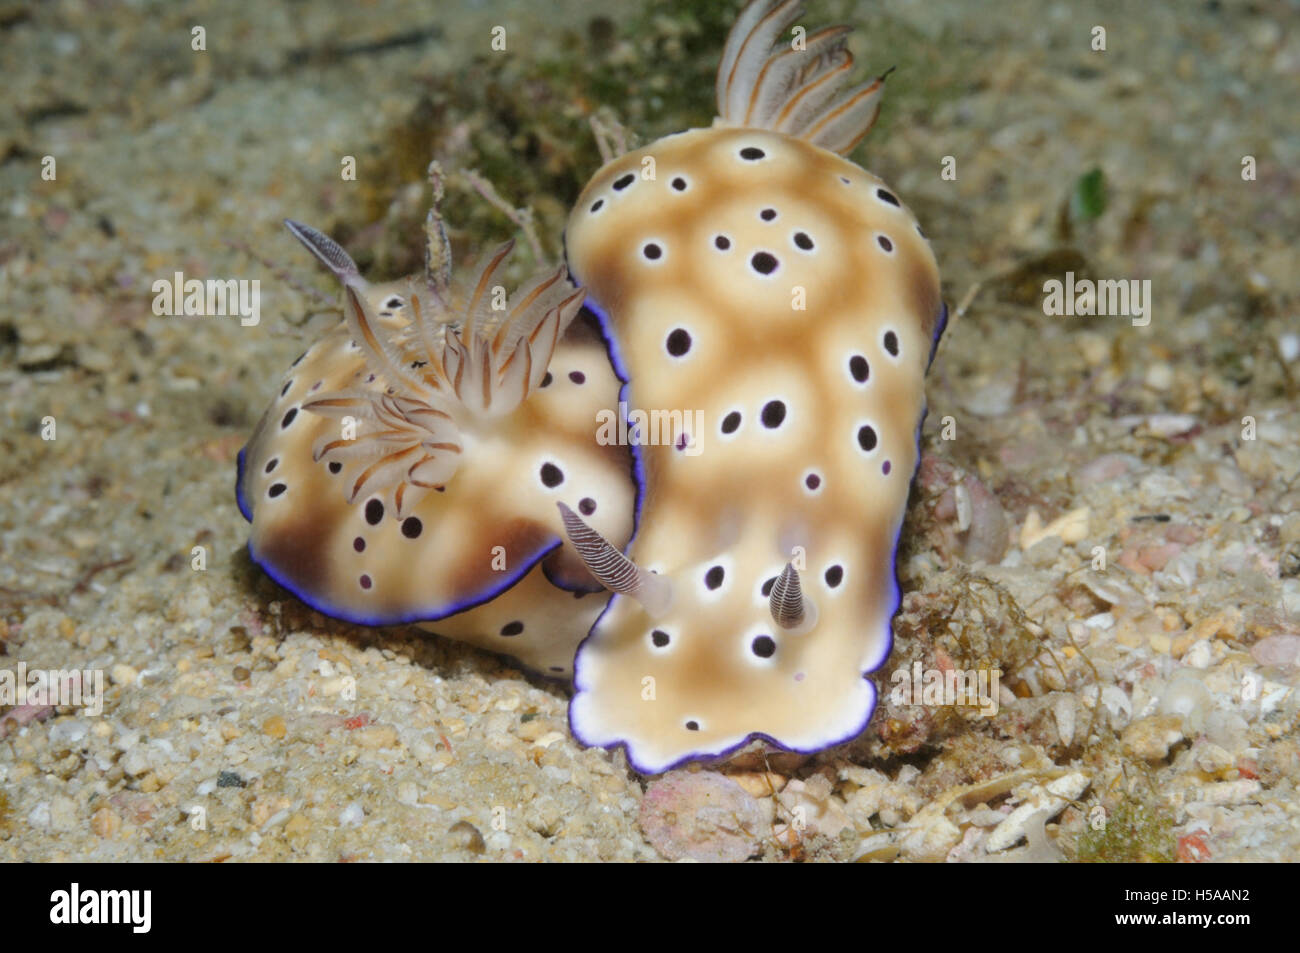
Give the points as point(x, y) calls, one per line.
point(750, 272)
point(408, 470)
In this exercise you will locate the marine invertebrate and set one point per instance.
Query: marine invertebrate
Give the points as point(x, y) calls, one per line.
point(408, 469)
point(750, 272)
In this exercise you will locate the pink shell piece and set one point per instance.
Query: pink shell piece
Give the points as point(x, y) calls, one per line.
point(702, 816)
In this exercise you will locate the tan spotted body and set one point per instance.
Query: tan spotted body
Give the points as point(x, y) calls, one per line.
point(790, 297)
point(481, 551)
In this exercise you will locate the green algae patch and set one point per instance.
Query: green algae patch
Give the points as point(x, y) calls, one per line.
point(1136, 830)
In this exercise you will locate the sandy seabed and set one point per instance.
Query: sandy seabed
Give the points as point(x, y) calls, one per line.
point(238, 723)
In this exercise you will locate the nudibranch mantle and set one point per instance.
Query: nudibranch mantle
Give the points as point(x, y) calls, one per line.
point(439, 507)
point(765, 281)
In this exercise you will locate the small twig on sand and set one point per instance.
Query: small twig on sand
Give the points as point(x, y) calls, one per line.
point(521, 217)
point(437, 250)
point(612, 137)
point(968, 299)
point(54, 598)
point(82, 583)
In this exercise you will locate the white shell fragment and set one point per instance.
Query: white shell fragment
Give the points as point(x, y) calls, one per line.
point(1044, 802)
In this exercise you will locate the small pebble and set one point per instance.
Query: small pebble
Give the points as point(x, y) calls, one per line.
point(1108, 467)
point(993, 399)
point(1280, 650)
point(135, 762)
point(1071, 528)
point(376, 736)
point(1170, 425)
point(352, 816)
point(105, 822)
point(1160, 376)
point(465, 836)
point(274, 727)
point(123, 674)
point(1187, 698)
point(1199, 655)
point(1213, 759)
point(1149, 738)
point(702, 816)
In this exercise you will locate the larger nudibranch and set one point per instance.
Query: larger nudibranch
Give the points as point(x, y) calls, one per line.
point(409, 468)
point(750, 272)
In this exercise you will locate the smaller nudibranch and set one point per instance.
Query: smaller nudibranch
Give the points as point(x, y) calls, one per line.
point(757, 278)
point(409, 468)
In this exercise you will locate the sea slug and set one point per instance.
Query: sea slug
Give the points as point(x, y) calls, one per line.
point(750, 272)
